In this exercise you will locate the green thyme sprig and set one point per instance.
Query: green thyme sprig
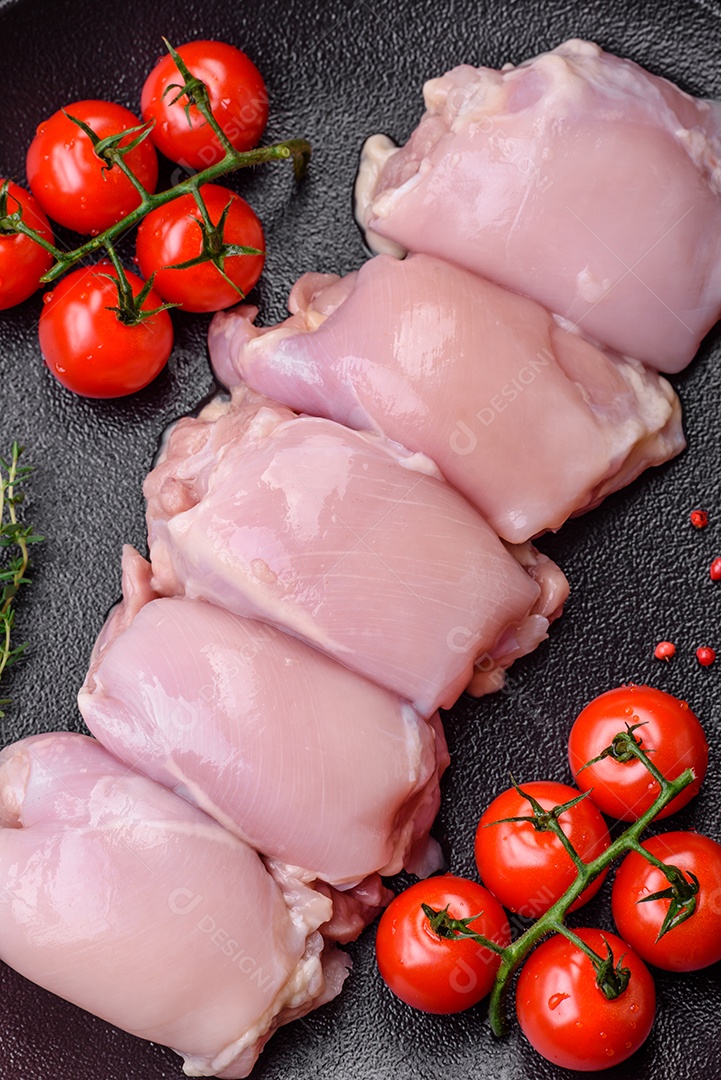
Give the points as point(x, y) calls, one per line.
point(15, 540)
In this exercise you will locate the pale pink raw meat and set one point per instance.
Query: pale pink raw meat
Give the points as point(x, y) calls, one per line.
point(490, 668)
point(126, 900)
point(576, 178)
point(529, 421)
point(305, 760)
point(341, 538)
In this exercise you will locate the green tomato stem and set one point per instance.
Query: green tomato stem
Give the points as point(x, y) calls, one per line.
point(291, 148)
point(672, 873)
point(638, 752)
point(611, 978)
point(27, 230)
point(118, 159)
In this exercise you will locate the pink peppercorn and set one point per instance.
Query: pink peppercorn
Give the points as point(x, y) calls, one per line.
point(714, 570)
point(699, 519)
point(664, 650)
point(705, 655)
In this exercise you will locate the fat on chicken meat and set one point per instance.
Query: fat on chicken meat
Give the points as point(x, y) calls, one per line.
point(130, 902)
point(345, 540)
point(305, 760)
point(577, 178)
point(483, 381)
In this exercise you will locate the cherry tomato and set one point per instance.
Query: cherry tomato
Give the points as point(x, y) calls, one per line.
point(85, 345)
point(568, 1019)
point(692, 944)
point(22, 261)
point(238, 101)
point(434, 973)
point(526, 869)
point(172, 234)
point(672, 735)
point(69, 180)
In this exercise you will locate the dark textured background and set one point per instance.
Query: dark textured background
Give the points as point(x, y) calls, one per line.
point(638, 570)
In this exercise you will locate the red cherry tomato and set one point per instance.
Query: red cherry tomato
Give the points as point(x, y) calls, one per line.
point(172, 234)
point(526, 869)
point(434, 973)
point(22, 261)
point(692, 944)
point(568, 1019)
point(70, 181)
point(238, 101)
point(85, 345)
point(671, 735)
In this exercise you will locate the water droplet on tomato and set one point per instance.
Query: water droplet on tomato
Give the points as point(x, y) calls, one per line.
point(634, 1007)
point(628, 1045)
point(609, 1051)
point(555, 1000)
point(41, 131)
point(628, 710)
point(47, 297)
point(94, 232)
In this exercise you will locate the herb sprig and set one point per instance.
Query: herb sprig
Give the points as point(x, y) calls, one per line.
point(15, 539)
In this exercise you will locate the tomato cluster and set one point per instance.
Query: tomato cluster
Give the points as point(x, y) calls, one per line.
point(202, 251)
point(585, 999)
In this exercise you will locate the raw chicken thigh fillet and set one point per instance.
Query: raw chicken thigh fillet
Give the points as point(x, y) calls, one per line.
point(483, 381)
point(306, 761)
point(110, 882)
point(343, 539)
point(576, 178)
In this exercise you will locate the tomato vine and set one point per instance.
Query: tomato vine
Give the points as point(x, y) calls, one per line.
point(113, 154)
point(611, 978)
